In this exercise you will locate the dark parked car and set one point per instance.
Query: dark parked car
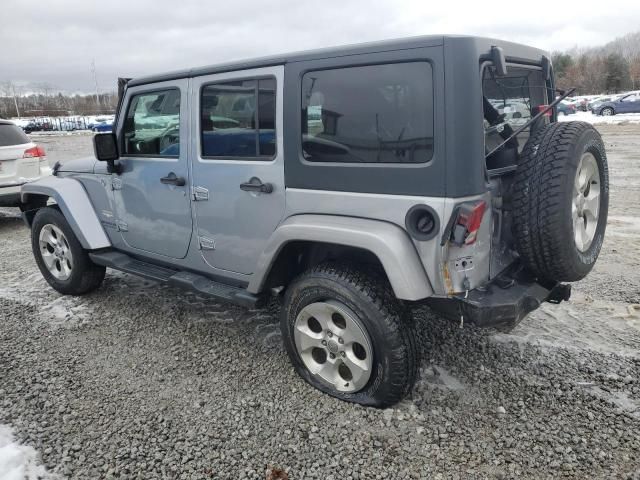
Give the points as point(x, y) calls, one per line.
point(565, 108)
point(102, 127)
point(38, 126)
point(626, 104)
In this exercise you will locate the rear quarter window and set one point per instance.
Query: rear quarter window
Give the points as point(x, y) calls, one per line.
point(12, 135)
point(368, 114)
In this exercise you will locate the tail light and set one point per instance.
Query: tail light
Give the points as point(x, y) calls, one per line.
point(541, 108)
point(36, 151)
point(467, 223)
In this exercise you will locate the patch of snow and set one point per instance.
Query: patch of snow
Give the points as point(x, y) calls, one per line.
point(601, 120)
point(19, 462)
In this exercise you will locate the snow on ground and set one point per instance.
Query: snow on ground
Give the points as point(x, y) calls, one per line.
point(19, 462)
point(600, 120)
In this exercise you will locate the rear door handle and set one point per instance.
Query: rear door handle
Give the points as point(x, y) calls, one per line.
point(172, 179)
point(256, 185)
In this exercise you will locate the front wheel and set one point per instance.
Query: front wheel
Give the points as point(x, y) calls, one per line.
point(348, 336)
point(607, 112)
point(61, 259)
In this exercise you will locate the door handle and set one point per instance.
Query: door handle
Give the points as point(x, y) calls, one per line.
point(172, 179)
point(256, 185)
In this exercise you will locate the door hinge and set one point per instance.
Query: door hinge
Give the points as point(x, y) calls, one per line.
point(207, 243)
point(122, 226)
point(199, 194)
point(116, 184)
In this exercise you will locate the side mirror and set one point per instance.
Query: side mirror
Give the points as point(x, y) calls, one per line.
point(105, 147)
point(497, 57)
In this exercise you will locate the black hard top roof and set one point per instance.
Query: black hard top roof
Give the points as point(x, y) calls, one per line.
point(479, 43)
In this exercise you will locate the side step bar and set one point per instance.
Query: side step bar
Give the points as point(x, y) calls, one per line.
point(190, 281)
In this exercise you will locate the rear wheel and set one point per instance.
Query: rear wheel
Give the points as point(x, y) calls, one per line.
point(348, 336)
point(561, 192)
point(63, 262)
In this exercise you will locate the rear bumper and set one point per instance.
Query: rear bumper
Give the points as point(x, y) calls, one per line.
point(502, 303)
point(10, 189)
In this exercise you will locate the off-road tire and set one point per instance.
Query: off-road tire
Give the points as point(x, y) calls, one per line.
point(542, 201)
point(86, 276)
point(368, 294)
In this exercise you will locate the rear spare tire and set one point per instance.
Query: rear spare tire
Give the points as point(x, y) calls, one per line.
point(561, 201)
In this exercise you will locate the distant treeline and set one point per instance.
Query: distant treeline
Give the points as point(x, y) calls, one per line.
point(14, 104)
point(612, 68)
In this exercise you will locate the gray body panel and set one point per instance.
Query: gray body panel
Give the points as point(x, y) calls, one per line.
point(76, 206)
point(80, 165)
point(388, 242)
point(438, 262)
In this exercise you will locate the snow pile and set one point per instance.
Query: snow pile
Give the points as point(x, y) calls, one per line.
point(18, 462)
point(600, 120)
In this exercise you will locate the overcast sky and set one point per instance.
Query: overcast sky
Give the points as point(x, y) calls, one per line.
point(55, 41)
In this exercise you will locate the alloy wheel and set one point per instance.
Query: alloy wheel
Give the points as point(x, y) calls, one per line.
point(586, 201)
point(334, 346)
point(55, 252)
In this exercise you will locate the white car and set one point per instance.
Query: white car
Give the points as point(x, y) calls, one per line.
point(21, 161)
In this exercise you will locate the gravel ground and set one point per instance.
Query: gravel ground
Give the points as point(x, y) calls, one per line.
point(142, 381)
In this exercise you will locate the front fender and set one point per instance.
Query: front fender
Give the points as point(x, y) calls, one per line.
point(75, 205)
point(387, 241)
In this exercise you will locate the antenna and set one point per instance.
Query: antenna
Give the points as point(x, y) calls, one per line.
point(95, 81)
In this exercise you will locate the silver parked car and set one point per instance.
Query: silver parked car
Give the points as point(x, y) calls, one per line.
point(351, 184)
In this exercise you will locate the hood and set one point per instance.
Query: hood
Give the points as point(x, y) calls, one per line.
point(79, 165)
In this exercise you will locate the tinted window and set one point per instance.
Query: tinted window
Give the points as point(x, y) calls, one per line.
point(371, 114)
point(152, 124)
point(511, 100)
point(238, 119)
point(12, 135)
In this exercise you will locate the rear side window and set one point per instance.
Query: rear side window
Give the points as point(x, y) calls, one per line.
point(152, 124)
point(12, 135)
point(368, 114)
point(238, 119)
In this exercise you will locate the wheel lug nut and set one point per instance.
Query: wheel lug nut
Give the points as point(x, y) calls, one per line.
point(329, 333)
point(343, 354)
point(324, 342)
point(340, 340)
point(331, 355)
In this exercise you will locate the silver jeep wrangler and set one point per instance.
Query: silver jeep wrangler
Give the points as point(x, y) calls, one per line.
point(351, 183)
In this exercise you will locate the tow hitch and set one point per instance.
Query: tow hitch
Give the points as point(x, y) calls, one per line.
point(561, 292)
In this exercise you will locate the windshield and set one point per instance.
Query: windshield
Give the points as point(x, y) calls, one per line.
point(510, 102)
